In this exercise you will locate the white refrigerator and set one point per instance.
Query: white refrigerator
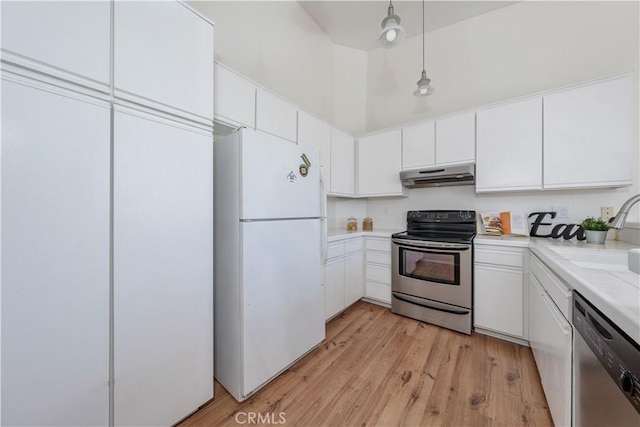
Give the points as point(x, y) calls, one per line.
point(269, 303)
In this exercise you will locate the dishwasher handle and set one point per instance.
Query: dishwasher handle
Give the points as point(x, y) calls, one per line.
point(602, 331)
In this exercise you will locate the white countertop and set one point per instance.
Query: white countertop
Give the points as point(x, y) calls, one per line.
point(506, 240)
point(335, 234)
point(616, 294)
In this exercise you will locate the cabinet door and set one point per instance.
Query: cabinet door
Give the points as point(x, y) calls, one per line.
point(67, 39)
point(419, 146)
point(234, 98)
point(379, 164)
point(498, 299)
point(163, 270)
point(343, 161)
point(163, 56)
point(316, 135)
point(353, 278)
point(550, 336)
point(55, 258)
point(276, 116)
point(588, 136)
point(333, 288)
point(456, 139)
point(509, 147)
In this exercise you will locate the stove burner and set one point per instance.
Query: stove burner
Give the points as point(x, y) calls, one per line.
point(440, 226)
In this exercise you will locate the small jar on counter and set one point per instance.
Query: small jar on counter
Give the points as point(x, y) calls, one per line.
point(367, 224)
point(352, 224)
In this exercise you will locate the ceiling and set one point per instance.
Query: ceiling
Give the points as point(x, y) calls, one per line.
point(357, 23)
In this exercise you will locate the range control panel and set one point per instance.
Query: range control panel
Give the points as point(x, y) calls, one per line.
point(441, 216)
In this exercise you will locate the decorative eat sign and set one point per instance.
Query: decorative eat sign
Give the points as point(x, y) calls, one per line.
point(566, 231)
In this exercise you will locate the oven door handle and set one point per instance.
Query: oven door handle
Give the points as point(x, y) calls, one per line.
point(431, 304)
point(432, 245)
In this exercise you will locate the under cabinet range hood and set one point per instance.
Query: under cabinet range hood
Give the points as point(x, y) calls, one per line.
point(439, 176)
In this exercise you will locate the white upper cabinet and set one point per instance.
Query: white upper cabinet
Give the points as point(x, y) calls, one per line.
point(456, 139)
point(315, 135)
point(163, 57)
point(343, 160)
point(276, 116)
point(63, 39)
point(588, 135)
point(379, 164)
point(234, 98)
point(419, 146)
point(509, 147)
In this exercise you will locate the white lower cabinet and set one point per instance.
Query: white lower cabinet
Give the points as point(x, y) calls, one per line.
point(54, 256)
point(378, 269)
point(500, 290)
point(163, 270)
point(333, 287)
point(353, 278)
point(550, 336)
point(343, 277)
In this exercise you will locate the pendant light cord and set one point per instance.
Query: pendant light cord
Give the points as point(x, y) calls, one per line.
point(423, 68)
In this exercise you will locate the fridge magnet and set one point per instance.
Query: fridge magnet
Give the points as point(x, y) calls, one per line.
point(292, 177)
point(303, 170)
point(305, 159)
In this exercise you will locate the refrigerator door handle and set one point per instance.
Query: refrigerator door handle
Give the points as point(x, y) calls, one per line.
point(323, 228)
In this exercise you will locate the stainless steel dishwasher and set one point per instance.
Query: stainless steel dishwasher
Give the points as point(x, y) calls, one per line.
point(606, 368)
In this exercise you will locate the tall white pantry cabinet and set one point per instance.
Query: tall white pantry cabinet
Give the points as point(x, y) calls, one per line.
point(106, 213)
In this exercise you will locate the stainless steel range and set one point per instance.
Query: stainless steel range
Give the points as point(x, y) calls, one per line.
point(432, 268)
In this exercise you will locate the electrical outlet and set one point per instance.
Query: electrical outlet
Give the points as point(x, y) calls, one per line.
point(561, 211)
point(606, 212)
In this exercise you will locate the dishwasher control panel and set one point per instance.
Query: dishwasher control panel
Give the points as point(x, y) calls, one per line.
point(617, 352)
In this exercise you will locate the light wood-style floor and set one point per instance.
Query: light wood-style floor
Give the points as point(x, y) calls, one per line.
point(376, 368)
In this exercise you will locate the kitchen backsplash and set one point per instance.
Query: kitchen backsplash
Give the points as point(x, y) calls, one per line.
point(339, 210)
point(390, 212)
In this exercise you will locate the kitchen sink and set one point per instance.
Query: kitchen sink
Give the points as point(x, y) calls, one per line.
point(595, 259)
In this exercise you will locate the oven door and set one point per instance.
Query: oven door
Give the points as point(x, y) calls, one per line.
point(437, 271)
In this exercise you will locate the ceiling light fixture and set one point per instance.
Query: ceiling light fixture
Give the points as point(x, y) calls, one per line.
point(424, 87)
point(392, 33)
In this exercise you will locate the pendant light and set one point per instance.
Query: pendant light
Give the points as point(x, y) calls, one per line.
point(392, 33)
point(424, 87)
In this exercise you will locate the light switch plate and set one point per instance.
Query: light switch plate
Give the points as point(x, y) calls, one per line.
point(561, 211)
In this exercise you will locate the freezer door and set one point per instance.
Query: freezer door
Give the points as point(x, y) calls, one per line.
point(274, 184)
point(283, 304)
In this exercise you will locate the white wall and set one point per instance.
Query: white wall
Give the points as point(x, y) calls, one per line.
point(350, 89)
point(513, 51)
point(278, 45)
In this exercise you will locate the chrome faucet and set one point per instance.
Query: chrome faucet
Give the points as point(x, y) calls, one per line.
point(621, 217)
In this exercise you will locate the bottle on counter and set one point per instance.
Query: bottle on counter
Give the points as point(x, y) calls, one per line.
point(352, 224)
point(367, 224)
